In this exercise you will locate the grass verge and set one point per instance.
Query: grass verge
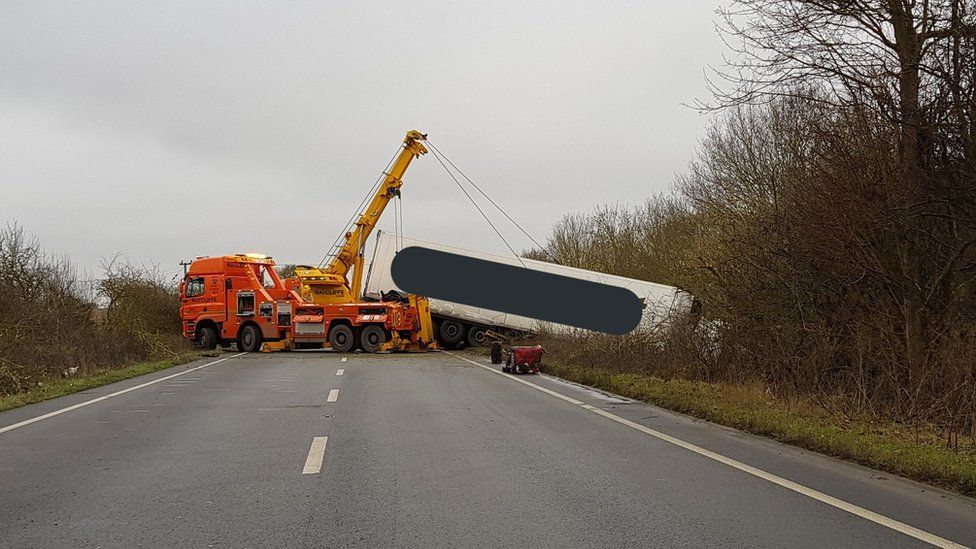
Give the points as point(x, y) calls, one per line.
point(887, 448)
point(64, 387)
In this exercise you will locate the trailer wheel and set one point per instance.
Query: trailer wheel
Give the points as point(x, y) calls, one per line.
point(250, 339)
point(451, 333)
point(341, 338)
point(207, 337)
point(372, 338)
point(477, 336)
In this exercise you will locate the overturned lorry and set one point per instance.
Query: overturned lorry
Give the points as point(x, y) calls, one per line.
point(457, 324)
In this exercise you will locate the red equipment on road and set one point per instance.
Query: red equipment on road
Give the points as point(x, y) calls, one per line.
point(524, 360)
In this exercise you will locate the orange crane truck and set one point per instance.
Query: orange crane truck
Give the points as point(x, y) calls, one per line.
point(341, 279)
point(241, 299)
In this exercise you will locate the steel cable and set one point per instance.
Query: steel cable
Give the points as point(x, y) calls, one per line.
point(477, 207)
point(493, 203)
point(358, 211)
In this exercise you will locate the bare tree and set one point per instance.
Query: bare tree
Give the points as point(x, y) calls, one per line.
point(908, 64)
point(897, 57)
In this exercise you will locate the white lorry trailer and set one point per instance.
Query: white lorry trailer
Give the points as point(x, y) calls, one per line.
point(455, 323)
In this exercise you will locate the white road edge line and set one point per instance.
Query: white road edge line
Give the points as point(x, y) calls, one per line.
point(876, 518)
point(316, 454)
point(333, 395)
point(340, 371)
point(27, 422)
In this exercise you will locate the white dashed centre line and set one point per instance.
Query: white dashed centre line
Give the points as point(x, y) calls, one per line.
point(333, 395)
point(340, 371)
point(316, 454)
point(343, 359)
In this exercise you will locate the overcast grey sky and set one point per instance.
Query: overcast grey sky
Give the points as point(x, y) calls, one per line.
point(170, 130)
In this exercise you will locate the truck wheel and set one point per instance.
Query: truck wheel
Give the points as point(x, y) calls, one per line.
point(250, 339)
point(451, 333)
point(496, 352)
point(341, 338)
point(207, 337)
point(371, 338)
point(476, 336)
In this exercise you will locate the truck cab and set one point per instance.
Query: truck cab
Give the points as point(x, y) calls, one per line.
point(236, 298)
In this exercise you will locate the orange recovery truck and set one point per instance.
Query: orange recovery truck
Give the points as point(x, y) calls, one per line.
point(241, 299)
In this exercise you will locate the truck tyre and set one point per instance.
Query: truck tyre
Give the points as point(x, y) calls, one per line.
point(341, 338)
point(250, 339)
point(496, 352)
point(207, 337)
point(450, 333)
point(477, 336)
point(372, 338)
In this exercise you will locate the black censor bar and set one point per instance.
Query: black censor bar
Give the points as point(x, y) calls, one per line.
point(517, 290)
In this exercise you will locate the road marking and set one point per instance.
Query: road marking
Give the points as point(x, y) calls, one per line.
point(27, 422)
point(343, 359)
point(340, 371)
point(316, 454)
point(522, 381)
point(876, 518)
point(333, 395)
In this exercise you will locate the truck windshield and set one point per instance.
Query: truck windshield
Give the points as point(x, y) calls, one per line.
point(194, 287)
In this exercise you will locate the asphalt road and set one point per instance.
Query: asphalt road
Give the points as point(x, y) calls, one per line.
point(428, 450)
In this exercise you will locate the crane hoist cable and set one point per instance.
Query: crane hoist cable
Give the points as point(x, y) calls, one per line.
point(358, 210)
point(399, 206)
point(437, 155)
point(493, 203)
point(398, 222)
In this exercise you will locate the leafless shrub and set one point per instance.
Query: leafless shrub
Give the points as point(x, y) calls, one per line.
point(50, 321)
point(142, 311)
point(822, 274)
point(286, 270)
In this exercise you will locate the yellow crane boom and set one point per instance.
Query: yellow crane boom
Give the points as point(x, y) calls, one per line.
point(341, 281)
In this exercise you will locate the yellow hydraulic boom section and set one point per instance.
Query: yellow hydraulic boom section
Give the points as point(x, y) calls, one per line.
point(334, 284)
point(423, 339)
